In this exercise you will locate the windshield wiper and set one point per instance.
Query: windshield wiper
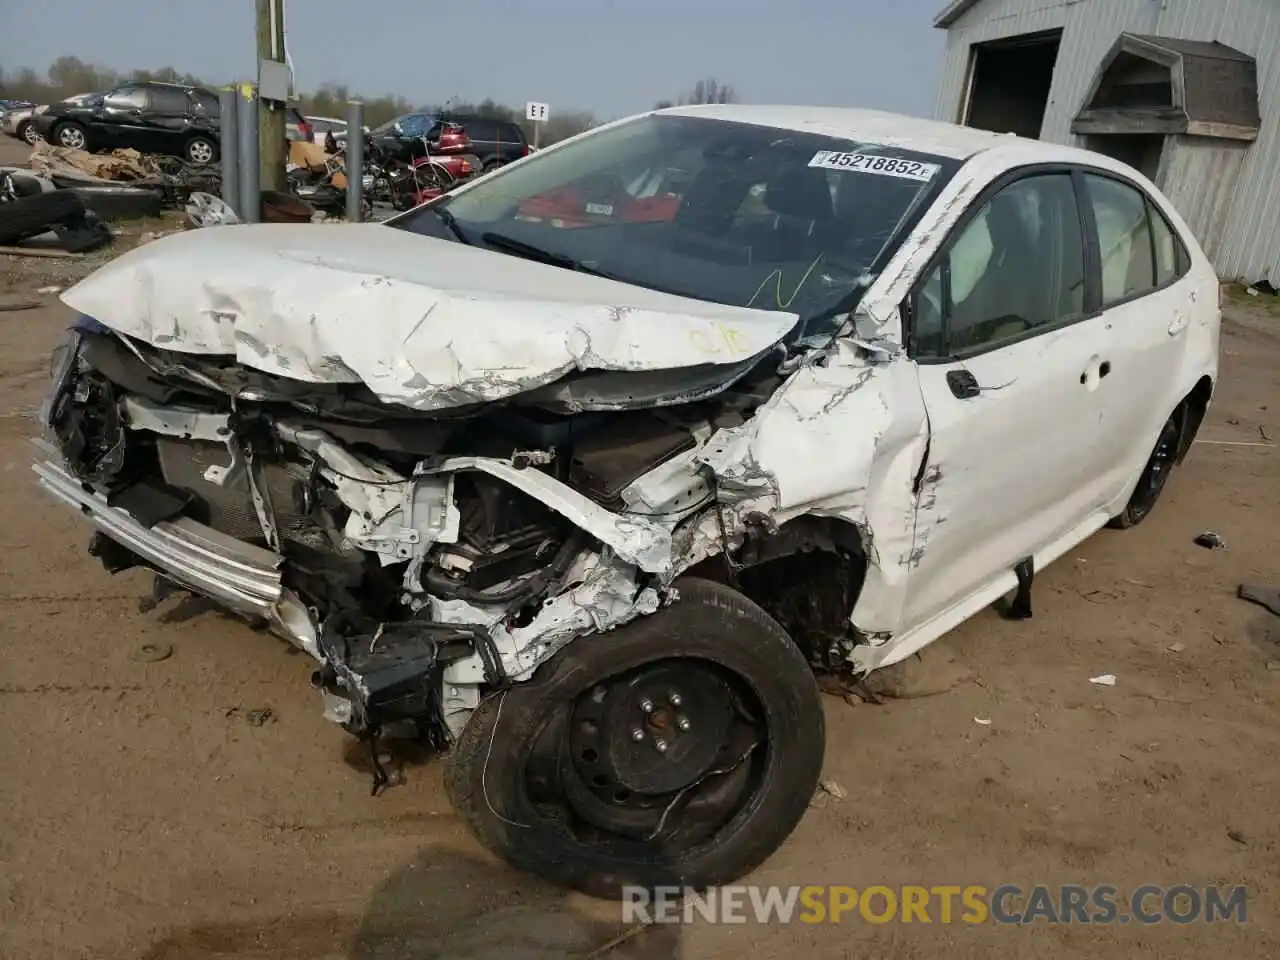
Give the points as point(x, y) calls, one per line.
point(450, 221)
point(519, 248)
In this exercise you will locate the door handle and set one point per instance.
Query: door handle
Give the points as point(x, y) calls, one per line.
point(1179, 324)
point(1103, 369)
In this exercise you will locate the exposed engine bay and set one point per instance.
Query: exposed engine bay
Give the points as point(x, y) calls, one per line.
point(421, 559)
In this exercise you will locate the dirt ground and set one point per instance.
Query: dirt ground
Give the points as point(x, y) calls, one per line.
point(147, 810)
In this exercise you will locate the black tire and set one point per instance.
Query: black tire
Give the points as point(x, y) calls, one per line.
point(27, 133)
point(112, 202)
point(1164, 456)
point(32, 216)
point(200, 150)
point(711, 627)
point(490, 165)
point(71, 135)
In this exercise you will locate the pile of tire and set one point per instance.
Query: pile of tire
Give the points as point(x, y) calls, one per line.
point(60, 211)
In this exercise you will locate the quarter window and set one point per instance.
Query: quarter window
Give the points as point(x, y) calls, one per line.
point(1126, 249)
point(1171, 255)
point(1017, 266)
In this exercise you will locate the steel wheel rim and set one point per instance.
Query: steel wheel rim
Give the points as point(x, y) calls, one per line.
point(655, 761)
point(1159, 466)
point(71, 138)
point(201, 152)
point(29, 134)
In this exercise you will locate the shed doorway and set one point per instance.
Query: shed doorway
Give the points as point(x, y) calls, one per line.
point(1009, 83)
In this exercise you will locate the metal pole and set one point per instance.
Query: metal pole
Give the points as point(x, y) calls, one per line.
point(229, 145)
point(272, 148)
point(355, 161)
point(250, 194)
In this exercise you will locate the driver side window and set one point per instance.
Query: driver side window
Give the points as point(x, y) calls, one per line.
point(1015, 267)
point(127, 98)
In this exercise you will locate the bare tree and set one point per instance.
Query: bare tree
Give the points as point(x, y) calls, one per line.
point(709, 91)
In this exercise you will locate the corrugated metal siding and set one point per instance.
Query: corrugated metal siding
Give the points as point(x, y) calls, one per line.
point(1251, 243)
point(1248, 240)
point(1201, 177)
point(1090, 27)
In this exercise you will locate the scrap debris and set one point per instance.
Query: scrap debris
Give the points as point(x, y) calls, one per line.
point(1106, 680)
point(255, 718)
point(118, 166)
point(1210, 541)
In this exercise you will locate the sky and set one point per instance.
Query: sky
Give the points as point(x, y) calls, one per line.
point(606, 56)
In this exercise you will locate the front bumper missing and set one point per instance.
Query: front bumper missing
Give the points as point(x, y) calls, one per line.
point(243, 578)
point(371, 678)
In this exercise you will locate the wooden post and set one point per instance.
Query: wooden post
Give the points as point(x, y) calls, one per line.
point(272, 149)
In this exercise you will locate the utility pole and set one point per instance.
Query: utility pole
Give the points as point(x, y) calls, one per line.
point(271, 113)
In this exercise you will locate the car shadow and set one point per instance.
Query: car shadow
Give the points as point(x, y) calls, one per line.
point(442, 905)
point(450, 906)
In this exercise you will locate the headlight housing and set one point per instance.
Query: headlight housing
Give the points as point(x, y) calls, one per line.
point(61, 365)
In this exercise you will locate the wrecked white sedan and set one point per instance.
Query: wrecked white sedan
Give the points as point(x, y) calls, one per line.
point(583, 470)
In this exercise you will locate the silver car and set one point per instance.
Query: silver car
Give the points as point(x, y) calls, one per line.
point(17, 123)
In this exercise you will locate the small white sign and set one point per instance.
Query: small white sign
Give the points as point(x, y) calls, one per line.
point(537, 111)
point(874, 163)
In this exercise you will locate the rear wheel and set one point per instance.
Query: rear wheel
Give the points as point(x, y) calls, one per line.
point(1154, 476)
point(70, 135)
point(27, 132)
point(681, 749)
point(200, 150)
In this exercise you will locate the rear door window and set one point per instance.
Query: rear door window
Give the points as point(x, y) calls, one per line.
point(1125, 244)
point(171, 102)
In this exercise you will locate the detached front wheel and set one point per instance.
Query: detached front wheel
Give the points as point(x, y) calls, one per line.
point(680, 750)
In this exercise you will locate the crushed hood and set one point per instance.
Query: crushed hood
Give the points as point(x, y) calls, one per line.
point(424, 323)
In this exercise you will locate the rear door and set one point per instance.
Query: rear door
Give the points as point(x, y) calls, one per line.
point(1007, 351)
point(1150, 297)
point(167, 122)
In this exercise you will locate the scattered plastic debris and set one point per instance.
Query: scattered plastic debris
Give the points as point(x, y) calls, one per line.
point(1238, 837)
point(982, 721)
point(255, 718)
point(49, 290)
point(833, 789)
point(1176, 647)
point(1106, 680)
point(1210, 541)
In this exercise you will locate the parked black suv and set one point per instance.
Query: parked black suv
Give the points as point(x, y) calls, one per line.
point(150, 117)
point(495, 142)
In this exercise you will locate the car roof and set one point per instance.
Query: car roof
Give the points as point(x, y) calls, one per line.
point(871, 126)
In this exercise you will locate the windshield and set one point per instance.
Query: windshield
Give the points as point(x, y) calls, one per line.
point(730, 212)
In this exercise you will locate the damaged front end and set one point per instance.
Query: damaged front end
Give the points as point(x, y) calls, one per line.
point(421, 559)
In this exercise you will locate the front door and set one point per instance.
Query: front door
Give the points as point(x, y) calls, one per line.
point(1009, 365)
